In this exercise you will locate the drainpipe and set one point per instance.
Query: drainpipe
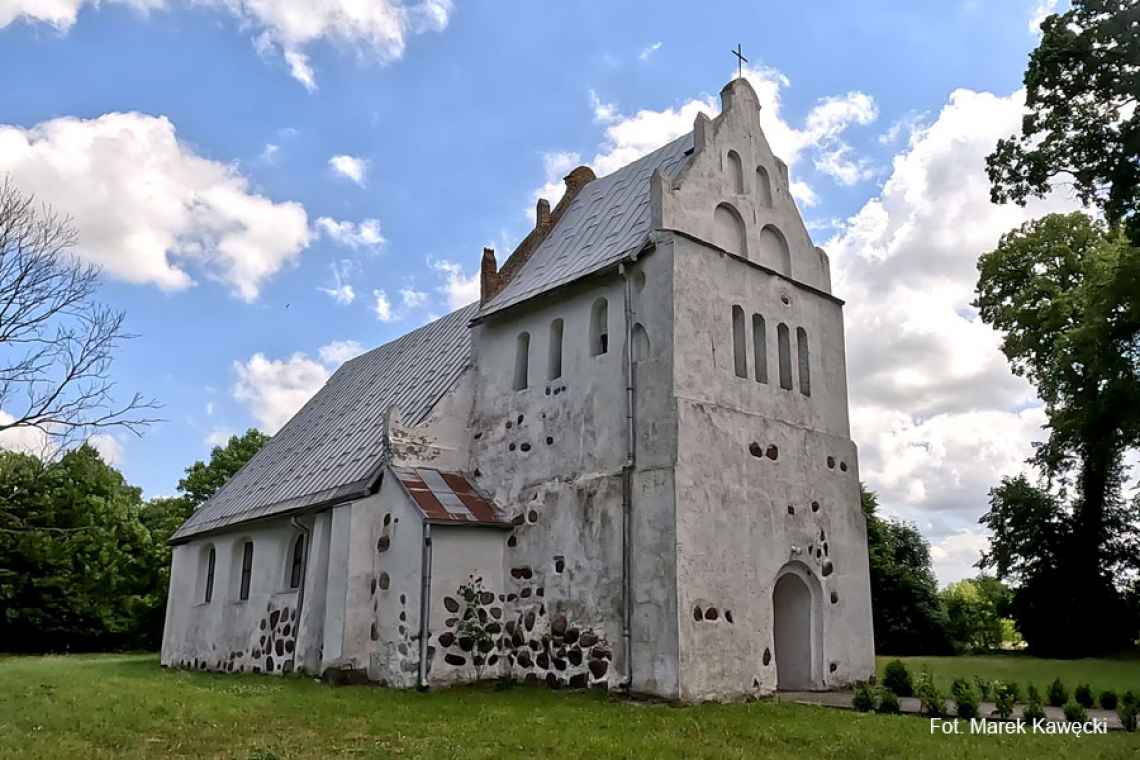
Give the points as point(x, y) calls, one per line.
point(627, 482)
point(308, 534)
point(425, 605)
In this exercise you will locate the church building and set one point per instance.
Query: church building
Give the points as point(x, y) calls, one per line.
point(628, 466)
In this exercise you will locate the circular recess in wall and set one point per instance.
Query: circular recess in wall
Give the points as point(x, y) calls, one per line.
point(698, 614)
point(831, 463)
point(815, 506)
point(785, 299)
point(755, 450)
point(834, 597)
point(843, 466)
point(773, 452)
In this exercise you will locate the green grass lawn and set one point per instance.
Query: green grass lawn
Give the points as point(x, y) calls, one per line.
point(1119, 674)
point(126, 706)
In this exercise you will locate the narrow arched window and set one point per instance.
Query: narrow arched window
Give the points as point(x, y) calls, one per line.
point(599, 328)
point(522, 361)
point(804, 361)
point(736, 172)
point(298, 564)
point(210, 560)
point(640, 343)
point(760, 347)
point(246, 570)
point(739, 351)
point(554, 358)
point(784, 343)
point(763, 187)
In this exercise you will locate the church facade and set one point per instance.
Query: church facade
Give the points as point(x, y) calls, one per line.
point(627, 466)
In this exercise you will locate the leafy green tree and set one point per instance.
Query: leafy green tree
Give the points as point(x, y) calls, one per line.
point(975, 613)
point(75, 574)
point(908, 615)
point(1063, 292)
point(1031, 532)
point(1082, 124)
point(203, 479)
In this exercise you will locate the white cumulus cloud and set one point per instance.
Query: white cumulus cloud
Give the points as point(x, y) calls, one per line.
point(458, 288)
point(377, 29)
point(339, 351)
point(147, 208)
point(341, 290)
point(938, 416)
point(365, 234)
point(382, 306)
point(275, 389)
point(353, 168)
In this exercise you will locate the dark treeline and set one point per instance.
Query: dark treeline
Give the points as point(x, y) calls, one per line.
point(84, 559)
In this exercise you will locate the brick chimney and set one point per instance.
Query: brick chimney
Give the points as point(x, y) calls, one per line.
point(489, 283)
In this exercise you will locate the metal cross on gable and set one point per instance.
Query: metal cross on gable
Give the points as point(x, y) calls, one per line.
point(740, 60)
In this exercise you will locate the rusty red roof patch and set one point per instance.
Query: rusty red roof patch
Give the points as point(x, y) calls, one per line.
point(447, 497)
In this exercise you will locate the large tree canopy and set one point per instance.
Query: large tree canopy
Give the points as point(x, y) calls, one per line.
point(1063, 292)
point(1082, 123)
point(908, 616)
point(84, 562)
point(203, 479)
point(75, 575)
point(1032, 533)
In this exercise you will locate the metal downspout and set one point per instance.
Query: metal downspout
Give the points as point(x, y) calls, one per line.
point(627, 482)
point(425, 605)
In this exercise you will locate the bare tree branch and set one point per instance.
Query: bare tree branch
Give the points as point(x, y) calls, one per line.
point(57, 341)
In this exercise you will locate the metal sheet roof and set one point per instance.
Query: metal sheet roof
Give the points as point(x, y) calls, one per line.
point(334, 447)
point(447, 497)
point(608, 219)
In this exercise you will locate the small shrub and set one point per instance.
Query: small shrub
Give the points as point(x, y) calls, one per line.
point(958, 686)
point(1032, 695)
point(985, 687)
point(966, 699)
point(1108, 700)
point(1075, 712)
point(1127, 711)
point(1003, 700)
point(933, 701)
point(897, 678)
point(1033, 710)
point(1014, 689)
point(1058, 696)
point(864, 699)
point(1083, 695)
point(888, 702)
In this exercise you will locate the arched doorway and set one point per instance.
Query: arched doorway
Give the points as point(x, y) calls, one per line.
point(793, 636)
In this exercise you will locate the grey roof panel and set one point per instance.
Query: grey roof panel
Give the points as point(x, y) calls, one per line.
point(334, 446)
point(608, 219)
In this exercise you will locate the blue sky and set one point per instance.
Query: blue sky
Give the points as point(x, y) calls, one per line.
point(238, 168)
